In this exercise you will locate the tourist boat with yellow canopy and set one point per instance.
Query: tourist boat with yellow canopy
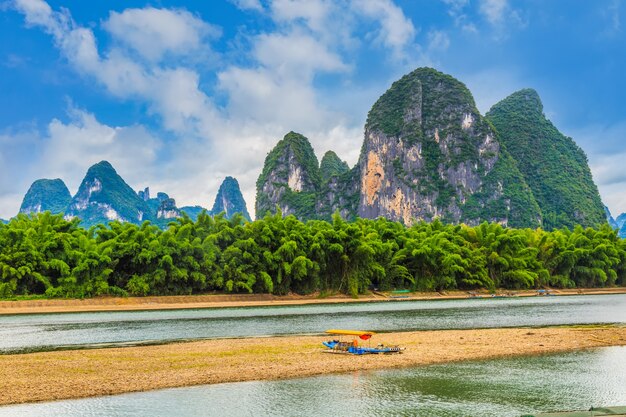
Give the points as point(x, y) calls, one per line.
point(339, 346)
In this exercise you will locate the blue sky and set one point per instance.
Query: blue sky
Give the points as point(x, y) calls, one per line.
point(177, 95)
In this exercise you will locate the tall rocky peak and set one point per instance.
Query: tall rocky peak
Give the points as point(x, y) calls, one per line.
point(145, 194)
point(332, 165)
point(46, 195)
point(290, 179)
point(429, 153)
point(167, 209)
point(103, 196)
point(554, 167)
point(229, 200)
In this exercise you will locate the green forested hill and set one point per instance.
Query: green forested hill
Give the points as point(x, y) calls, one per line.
point(104, 196)
point(45, 254)
point(554, 167)
point(332, 165)
point(290, 179)
point(46, 195)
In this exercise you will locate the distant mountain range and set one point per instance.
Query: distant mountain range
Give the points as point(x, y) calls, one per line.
point(103, 196)
point(618, 224)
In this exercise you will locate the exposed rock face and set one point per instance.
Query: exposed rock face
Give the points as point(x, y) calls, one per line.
point(103, 196)
point(145, 194)
point(229, 199)
point(290, 179)
point(429, 153)
point(339, 193)
point(554, 167)
point(168, 210)
point(46, 195)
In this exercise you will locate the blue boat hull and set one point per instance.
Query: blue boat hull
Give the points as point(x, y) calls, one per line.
point(342, 347)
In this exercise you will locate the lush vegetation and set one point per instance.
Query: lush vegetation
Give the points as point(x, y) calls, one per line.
point(554, 167)
point(46, 255)
point(332, 165)
point(44, 194)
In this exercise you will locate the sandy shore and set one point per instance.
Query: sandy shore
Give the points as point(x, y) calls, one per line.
point(85, 373)
point(243, 300)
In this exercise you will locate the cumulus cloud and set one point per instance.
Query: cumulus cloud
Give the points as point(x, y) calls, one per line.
point(67, 149)
point(154, 33)
point(396, 30)
point(493, 10)
point(248, 4)
point(438, 40)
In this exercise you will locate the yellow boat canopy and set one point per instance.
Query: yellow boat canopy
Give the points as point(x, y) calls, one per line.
point(361, 334)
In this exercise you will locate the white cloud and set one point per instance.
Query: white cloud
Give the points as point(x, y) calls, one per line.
point(396, 30)
point(493, 10)
point(154, 33)
point(438, 40)
point(296, 55)
point(314, 13)
point(67, 150)
point(248, 4)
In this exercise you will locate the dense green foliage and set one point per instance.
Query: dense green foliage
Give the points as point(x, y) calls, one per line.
point(331, 166)
point(425, 84)
point(229, 200)
point(520, 207)
point(46, 195)
point(45, 254)
point(554, 167)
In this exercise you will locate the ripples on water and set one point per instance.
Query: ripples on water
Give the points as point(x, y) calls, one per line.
point(502, 388)
point(51, 331)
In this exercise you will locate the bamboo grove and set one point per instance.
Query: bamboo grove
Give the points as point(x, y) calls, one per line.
point(46, 255)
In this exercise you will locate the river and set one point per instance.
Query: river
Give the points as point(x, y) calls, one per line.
point(40, 332)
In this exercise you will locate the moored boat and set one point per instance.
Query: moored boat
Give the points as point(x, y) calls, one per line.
point(353, 347)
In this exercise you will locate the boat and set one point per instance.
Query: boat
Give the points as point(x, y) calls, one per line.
point(353, 347)
point(595, 412)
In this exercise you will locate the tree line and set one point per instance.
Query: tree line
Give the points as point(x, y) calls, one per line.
point(44, 254)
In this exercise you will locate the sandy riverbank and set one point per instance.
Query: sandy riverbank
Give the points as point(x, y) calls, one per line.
point(84, 373)
point(243, 300)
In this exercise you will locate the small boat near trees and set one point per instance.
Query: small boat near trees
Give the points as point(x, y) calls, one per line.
point(354, 347)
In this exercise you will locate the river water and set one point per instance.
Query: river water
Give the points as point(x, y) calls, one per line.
point(38, 332)
point(502, 388)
